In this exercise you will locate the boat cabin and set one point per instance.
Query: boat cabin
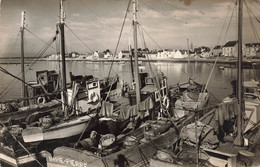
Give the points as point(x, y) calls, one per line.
point(90, 91)
point(149, 87)
point(47, 82)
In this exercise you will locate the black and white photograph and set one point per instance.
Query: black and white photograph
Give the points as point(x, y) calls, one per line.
point(129, 83)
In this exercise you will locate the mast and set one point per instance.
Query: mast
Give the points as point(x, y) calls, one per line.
point(131, 62)
point(239, 139)
point(23, 94)
point(63, 61)
point(137, 84)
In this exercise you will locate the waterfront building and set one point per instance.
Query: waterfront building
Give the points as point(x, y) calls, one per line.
point(230, 49)
point(165, 53)
point(180, 54)
point(54, 57)
point(82, 56)
point(251, 49)
point(98, 54)
point(152, 54)
point(107, 54)
point(123, 54)
point(217, 50)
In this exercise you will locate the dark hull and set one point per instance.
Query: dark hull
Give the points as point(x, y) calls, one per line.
point(20, 115)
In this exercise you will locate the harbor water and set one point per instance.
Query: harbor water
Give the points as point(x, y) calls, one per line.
point(219, 84)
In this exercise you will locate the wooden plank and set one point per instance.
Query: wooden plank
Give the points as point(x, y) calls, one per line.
point(220, 152)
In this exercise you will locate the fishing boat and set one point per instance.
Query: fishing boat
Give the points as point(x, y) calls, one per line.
point(33, 94)
point(42, 96)
point(61, 119)
point(189, 95)
point(121, 147)
point(79, 103)
point(228, 133)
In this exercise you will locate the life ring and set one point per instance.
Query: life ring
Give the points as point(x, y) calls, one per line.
point(94, 97)
point(166, 102)
point(41, 100)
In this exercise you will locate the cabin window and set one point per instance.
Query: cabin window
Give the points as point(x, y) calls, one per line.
point(93, 85)
point(164, 83)
point(164, 92)
point(250, 90)
point(149, 81)
point(157, 97)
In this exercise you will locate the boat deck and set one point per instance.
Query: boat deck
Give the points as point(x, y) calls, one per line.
point(256, 160)
point(231, 155)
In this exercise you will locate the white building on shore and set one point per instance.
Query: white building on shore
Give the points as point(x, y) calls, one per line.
point(230, 49)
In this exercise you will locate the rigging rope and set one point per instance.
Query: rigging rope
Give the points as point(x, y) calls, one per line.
point(229, 23)
point(253, 13)
point(121, 31)
point(28, 152)
point(8, 73)
point(90, 9)
point(162, 49)
point(150, 37)
point(144, 158)
point(223, 27)
point(142, 36)
point(251, 21)
point(38, 37)
point(12, 82)
point(254, 4)
point(46, 94)
point(38, 56)
point(79, 38)
point(211, 72)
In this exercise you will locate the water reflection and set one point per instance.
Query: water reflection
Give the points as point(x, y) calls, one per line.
point(219, 84)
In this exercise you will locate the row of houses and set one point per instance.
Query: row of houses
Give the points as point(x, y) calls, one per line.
point(96, 55)
point(230, 49)
point(155, 54)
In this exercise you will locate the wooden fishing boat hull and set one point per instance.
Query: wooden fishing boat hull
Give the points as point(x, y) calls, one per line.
point(66, 157)
point(136, 155)
point(8, 158)
point(25, 112)
point(63, 130)
point(200, 103)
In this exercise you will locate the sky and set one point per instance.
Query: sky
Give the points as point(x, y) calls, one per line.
point(97, 23)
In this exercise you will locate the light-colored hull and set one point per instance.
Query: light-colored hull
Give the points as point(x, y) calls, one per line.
point(60, 131)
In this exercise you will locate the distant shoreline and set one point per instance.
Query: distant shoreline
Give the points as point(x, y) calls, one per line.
point(221, 60)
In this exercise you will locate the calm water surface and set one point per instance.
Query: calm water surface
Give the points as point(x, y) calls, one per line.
point(219, 84)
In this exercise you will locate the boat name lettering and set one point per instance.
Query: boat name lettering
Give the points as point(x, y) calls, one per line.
point(67, 161)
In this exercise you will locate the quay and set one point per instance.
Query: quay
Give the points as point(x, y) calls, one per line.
point(221, 60)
